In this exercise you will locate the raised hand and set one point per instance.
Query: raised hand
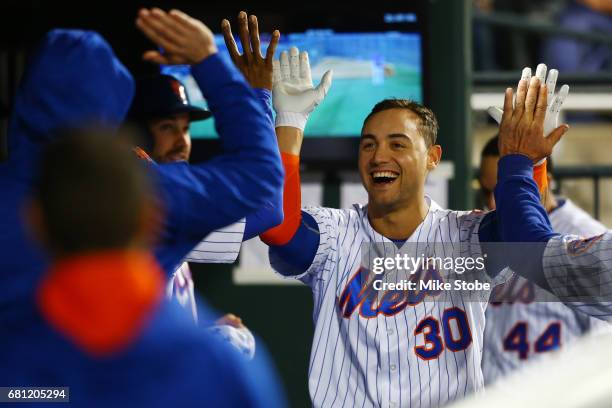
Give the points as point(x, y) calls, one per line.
point(183, 39)
point(256, 69)
point(521, 130)
point(554, 104)
point(293, 94)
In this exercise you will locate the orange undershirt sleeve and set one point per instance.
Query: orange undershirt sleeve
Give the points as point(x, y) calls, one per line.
point(540, 175)
point(292, 204)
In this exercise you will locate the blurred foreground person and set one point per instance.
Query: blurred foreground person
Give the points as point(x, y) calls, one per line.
point(100, 324)
point(196, 199)
point(100, 90)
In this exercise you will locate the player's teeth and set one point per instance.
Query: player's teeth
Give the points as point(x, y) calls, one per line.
point(387, 174)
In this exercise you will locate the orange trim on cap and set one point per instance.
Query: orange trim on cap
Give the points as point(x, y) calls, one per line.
point(292, 204)
point(102, 301)
point(141, 154)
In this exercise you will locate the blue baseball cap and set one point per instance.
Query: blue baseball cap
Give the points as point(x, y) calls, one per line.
point(163, 95)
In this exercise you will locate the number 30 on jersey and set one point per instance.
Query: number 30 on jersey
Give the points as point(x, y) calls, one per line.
point(454, 334)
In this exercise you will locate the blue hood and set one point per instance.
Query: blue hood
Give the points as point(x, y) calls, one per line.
point(73, 79)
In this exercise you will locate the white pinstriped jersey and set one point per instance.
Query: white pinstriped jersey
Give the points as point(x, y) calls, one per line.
point(518, 329)
point(577, 265)
point(220, 246)
point(371, 350)
point(568, 218)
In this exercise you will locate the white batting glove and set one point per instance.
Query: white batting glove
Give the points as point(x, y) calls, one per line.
point(554, 105)
point(293, 95)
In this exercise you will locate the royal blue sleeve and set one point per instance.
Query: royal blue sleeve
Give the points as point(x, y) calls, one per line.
point(521, 216)
point(520, 222)
point(302, 248)
point(265, 98)
point(245, 177)
point(297, 255)
point(270, 214)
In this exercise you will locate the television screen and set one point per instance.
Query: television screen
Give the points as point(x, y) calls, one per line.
point(368, 67)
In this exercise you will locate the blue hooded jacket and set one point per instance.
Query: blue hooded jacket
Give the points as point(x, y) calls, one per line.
point(74, 79)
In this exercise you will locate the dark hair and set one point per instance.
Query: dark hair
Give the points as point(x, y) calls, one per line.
point(428, 123)
point(491, 148)
point(91, 191)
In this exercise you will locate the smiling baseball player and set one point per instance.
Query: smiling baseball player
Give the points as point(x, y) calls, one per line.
point(370, 347)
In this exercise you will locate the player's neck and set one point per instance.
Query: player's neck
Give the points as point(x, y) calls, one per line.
point(401, 222)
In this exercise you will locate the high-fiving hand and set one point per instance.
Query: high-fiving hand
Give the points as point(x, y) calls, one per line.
point(293, 94)
point(256, 69)
point(183, 39)
point(521, 130)
point(554, 104)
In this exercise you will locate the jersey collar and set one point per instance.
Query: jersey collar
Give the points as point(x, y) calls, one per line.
point(378, 237)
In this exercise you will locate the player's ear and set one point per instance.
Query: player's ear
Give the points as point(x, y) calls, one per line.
point(434, 155)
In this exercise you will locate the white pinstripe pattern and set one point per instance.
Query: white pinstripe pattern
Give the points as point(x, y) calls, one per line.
point(220, 246)
point(371, 362)
point(571, 219)
point(560, 264)
point(497, 362)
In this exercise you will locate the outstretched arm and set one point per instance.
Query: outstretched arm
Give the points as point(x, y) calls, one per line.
point(577, 270)
point(257, 70)
point(521, 143)
point(294, 100)
point(295, 241)
point(248, 174)
point(520, 218)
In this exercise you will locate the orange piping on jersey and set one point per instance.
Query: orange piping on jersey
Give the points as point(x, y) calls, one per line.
point(101, 301)
point(292, 203)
